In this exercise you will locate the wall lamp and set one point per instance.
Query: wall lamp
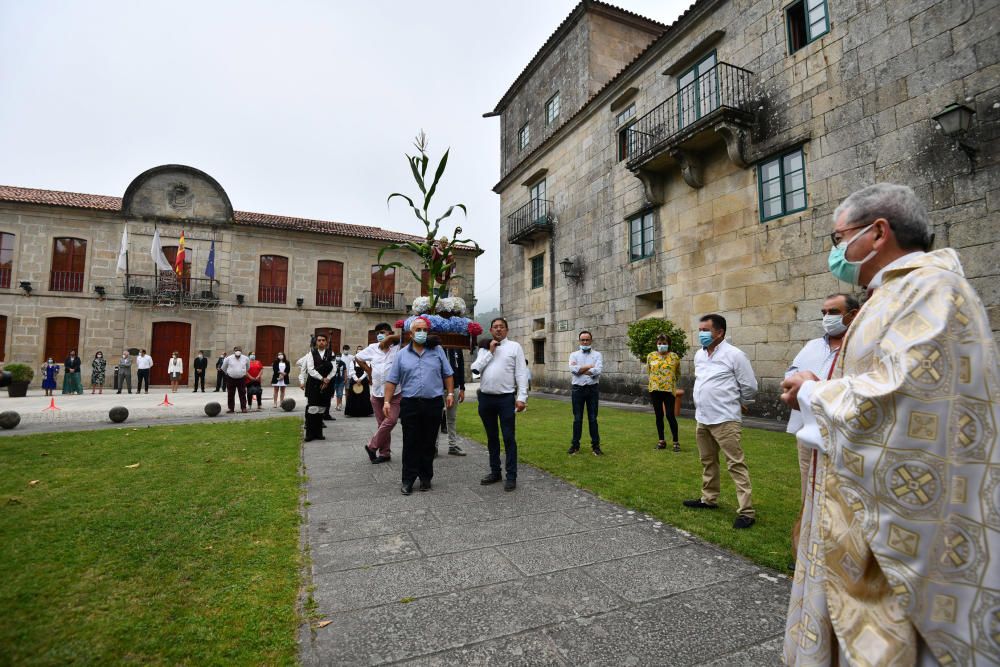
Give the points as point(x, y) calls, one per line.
point(298, 302)
point(357, 306)
point(955, 121)
point(240, 298)
point(571, 270)
point(101, 293)
point(409, 308)
point(26, 286)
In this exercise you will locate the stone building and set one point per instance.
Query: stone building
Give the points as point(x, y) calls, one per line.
point(277, 280)
point(696, 169)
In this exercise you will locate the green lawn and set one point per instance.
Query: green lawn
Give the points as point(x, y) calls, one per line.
point(192, 557)
point(635, 474)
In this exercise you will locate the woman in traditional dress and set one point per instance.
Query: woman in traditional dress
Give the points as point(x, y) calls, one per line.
point(359, 402)
point(279, 380)
point(49, 371)
point(97, 369)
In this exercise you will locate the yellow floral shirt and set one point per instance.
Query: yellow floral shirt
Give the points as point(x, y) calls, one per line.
point(664, 371)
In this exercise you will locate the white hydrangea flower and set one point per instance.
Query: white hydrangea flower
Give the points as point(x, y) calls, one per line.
point(421, 305)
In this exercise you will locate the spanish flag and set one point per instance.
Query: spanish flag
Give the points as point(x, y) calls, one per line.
point(179, 259)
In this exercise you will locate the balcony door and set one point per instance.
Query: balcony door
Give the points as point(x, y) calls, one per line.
point(538, 194)
point(698, 91)
point(169, 337)
point(62, 334)
point(383, 287)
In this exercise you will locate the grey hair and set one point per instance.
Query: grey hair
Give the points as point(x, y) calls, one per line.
point(896, 203)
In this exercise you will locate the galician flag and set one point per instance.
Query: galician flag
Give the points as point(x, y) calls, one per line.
point(123, 252)
point(179, 260)
point(157, 252)
point(210, 267)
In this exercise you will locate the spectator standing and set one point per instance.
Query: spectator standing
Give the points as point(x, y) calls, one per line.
point(348, 360)
point(235, 368)
point(254, 389)
point(72, 383)
point(376, 360)
point(723, 383)
point(279, 377)
point(339, 379)
point(664, 368)
point(456, 358)
point(585, 365)
point(143, 362)
point(98, 369)
point(423, 374)
point(503, 390)
point(358, 403)
point(49, 373)
point(220, 377)
point(175, 369)
point(319, 372)
point(200, 369)
point(125, 372)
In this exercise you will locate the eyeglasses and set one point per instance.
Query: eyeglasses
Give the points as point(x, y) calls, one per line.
point(837, 237)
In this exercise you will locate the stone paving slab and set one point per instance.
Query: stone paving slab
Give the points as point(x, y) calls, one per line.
point(546, 575)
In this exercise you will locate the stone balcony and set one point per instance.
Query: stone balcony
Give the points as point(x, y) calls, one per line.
point(714, 108)
point(536, 218)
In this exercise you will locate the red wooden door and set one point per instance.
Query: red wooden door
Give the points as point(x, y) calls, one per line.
point(169, 337)
point(329, 283)
point(3, 336)
point(270, 341)
point(332, 338)
point(62, 334)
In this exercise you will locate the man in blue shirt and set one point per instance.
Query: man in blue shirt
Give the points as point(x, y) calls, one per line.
point(426, 375)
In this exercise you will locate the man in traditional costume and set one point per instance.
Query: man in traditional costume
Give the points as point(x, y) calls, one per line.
point(320, 370)
point(895, 564)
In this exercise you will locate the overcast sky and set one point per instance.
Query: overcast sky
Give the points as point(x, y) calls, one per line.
point(296, 108)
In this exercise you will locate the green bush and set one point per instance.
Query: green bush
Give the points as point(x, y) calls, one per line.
point(642, 337)
point(20, 372)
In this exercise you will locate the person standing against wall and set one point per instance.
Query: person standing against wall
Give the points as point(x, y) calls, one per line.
point(125, 372)
point(200, 368)
point(143, 362)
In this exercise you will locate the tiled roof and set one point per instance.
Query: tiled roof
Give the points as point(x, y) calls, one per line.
point(558, 34)
point(114, 204)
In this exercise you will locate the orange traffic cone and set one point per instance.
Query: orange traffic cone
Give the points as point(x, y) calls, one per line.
point(166, 401)
point(52, 405)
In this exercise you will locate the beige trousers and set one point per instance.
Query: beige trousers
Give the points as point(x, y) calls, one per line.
point(726, 437)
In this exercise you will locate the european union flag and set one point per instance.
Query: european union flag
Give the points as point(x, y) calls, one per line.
point(210, 269)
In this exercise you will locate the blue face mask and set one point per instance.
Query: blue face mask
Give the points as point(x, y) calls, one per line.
point(840, 266)
point(585, 348)
point(380, 337)
point(662, 348)
point(705, 338)
point(420, 337)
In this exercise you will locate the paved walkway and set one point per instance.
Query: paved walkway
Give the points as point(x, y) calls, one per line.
point(546, 575)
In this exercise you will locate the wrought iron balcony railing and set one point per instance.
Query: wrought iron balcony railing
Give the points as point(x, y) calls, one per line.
point(534, 217)
point(272, 294)
point(66, 281)
point(330, 298)
point(385, 301)
point(166, 289)
point(723, 87)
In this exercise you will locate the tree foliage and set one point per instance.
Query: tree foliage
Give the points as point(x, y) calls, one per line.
point(436, 255)
point(642, 336)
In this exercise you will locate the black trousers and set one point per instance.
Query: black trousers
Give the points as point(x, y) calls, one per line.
point(254, 390)
point(142, 375)
point(199, 378)
point(220, 380)
point(317, 402)
point(236, 386)
point(420, 418)
point(663, 404)
point(585, 396)
point(493, 408)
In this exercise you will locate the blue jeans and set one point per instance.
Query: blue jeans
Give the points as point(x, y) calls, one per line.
point(585, 396)
point(494, 407)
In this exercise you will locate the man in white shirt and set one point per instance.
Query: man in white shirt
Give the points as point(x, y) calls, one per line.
point(503, 390)
point(818, 357)
point(235, 368)
point(143, 362)
point(585, 365)
point(723, 383)
point(320, 369)
point(377, 360)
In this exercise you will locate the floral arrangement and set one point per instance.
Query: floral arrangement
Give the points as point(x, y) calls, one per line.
point(452, 325)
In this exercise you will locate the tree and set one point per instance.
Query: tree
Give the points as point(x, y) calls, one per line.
point(436, 255)
point(642, 336)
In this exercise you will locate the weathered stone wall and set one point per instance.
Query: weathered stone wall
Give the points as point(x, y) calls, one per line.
point(859, 100)
point(113, 324)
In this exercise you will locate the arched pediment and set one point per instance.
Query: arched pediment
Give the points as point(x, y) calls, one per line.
point(177, 192)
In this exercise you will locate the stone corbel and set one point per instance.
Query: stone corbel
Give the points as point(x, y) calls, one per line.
point(690, 167)
point(734, 136)
point(652, 185)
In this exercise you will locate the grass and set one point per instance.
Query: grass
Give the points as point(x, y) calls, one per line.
point(191, 557)
point(635, 474)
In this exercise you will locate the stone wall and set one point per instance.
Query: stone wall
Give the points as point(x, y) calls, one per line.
point(859, 100)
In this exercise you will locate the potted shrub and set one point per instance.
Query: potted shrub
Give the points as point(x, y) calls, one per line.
point(20, 377)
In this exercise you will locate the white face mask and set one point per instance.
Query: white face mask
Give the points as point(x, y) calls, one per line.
point(834, 325)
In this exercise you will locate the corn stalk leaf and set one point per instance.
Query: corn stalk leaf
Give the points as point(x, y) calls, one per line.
point(437, 177)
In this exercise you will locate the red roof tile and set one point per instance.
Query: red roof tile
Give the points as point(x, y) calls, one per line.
point(114, 204)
